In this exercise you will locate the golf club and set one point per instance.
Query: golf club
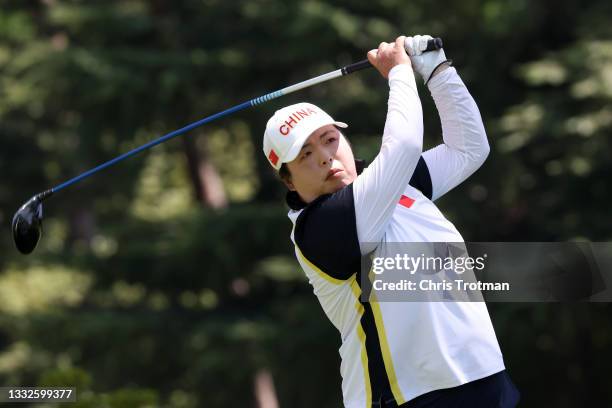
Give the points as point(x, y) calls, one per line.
point(27, 222)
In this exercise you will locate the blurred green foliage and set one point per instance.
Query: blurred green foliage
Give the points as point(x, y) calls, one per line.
point(140, 297)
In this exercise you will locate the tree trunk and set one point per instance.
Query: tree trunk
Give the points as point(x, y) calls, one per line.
point(265, 394)
point(206, 182)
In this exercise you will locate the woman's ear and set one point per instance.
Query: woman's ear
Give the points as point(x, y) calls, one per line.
point(288, 183)
point(285, 176)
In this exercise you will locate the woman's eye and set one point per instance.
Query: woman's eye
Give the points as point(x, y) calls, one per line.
point(331, 140)
point(306, 154)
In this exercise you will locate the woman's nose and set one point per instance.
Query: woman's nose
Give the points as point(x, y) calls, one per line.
point(325, 156)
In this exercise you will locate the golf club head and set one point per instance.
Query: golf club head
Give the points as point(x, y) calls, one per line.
point(27, 224)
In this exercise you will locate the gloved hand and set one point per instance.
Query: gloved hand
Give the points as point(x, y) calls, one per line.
point(424, 63)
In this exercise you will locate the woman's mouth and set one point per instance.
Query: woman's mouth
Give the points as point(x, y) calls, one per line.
point(332, 173)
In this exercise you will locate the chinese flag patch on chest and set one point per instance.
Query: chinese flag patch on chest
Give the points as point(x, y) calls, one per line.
point(406, 201)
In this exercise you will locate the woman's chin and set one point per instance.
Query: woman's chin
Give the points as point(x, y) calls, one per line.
point(336, 184)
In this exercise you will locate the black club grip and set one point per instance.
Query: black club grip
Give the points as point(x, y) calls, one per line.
point(434, 44)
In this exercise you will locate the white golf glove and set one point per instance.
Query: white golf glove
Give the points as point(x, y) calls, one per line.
point(424, 62)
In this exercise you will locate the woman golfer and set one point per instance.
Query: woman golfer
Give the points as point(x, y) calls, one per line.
point(408, 354)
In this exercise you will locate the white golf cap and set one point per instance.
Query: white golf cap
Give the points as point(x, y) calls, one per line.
point(289, 128)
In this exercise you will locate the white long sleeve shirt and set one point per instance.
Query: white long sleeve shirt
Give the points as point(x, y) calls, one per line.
point(400, 350)
point(464, 150)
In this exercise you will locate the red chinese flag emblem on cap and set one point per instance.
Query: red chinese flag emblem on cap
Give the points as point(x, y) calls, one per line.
point(273, 157)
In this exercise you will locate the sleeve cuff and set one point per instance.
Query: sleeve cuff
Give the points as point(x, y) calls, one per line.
point(441, 78)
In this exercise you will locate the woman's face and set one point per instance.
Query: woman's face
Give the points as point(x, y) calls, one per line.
point(324, 165)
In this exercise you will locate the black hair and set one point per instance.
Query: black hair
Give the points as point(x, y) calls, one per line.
point(284, 172)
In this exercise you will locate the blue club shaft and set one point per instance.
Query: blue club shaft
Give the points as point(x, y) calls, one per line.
point(150, 144)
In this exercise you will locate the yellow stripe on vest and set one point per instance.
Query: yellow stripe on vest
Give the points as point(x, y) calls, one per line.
point(317, 270)
point(352, 281)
